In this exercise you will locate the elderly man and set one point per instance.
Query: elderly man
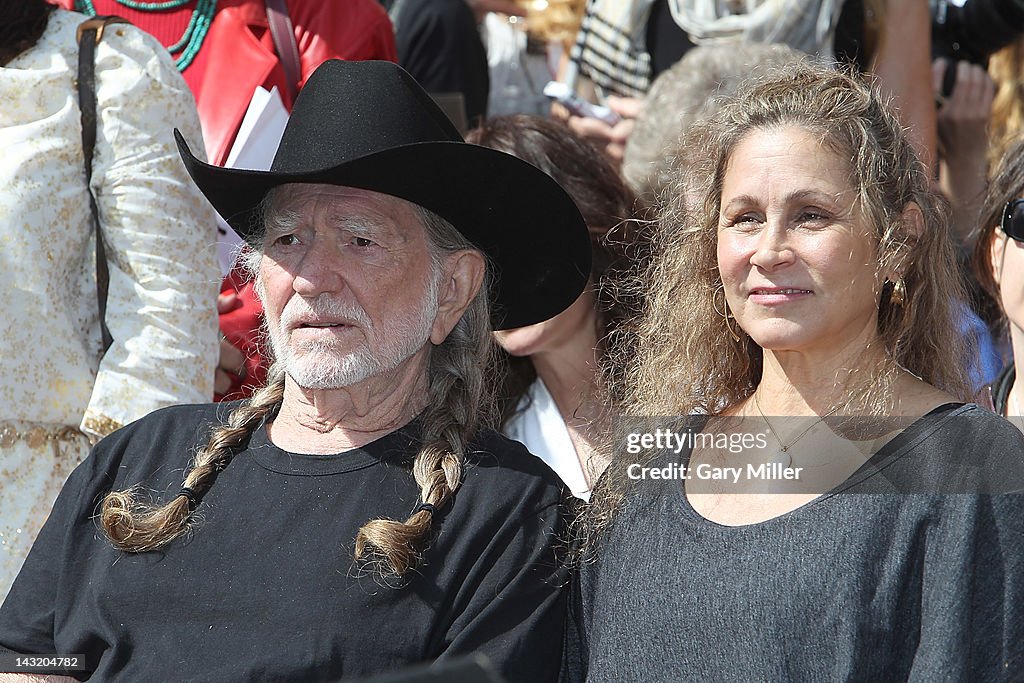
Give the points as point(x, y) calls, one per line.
point(353, 516)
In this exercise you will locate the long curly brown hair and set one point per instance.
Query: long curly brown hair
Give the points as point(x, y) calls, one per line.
point(685, 359)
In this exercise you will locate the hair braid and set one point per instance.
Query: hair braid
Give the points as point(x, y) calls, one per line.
point(458, 402)
point(136, 526)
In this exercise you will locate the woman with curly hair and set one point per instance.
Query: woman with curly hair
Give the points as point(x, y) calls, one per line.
point(836, 511)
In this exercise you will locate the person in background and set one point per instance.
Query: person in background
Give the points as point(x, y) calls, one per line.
point(998, 265)
point(524, 53)
point(963, 135)
point(804, 298)
point(439, 43)
point(225, 50)
point(964, 117)
point(58, 387)
point(623, 46)
point(1006, 68)
point(443, 44)
point(550, 400)
point(692, 89)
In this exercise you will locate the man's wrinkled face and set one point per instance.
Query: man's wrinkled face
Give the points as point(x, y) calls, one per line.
point(348, 286)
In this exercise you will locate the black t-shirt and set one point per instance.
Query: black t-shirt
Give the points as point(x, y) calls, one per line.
point(865, 583)
point(266, 589)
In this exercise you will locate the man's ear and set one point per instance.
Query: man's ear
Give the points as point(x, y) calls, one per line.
point(461, 279)
point(911, 229)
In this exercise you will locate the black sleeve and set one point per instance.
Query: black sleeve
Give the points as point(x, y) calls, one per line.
point(972, 602)
point(575, 655)
point(515, 611)
point(972, 606)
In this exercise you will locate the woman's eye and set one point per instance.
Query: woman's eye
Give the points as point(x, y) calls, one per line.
point(813, 217)
point(746, 220)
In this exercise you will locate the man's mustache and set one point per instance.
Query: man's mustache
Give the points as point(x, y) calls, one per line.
point(323, 308)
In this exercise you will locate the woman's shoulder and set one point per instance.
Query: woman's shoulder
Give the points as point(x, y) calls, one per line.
point(124, 56)
point(966, 423)
point(956, 425)
point(958, 448)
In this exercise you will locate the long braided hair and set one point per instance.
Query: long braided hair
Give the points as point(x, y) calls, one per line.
point(135, 526)
point(459, 403)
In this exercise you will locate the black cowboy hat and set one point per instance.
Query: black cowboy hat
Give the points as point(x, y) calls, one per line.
point(370, 125)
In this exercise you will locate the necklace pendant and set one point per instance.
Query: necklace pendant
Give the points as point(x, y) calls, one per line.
point(782, 458)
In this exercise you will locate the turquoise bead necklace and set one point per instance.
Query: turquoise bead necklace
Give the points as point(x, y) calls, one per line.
point(191, 40)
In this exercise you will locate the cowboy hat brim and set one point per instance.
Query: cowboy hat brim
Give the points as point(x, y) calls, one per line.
point(525, 223)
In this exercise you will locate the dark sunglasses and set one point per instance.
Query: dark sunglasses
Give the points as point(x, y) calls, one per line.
point(1013, 220)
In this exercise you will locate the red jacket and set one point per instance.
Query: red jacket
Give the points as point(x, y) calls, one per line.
point(238, 52)
point(238, 55)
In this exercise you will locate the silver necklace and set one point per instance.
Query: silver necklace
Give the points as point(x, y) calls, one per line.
point(783, 457)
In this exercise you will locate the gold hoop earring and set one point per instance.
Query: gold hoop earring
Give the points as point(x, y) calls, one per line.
point(899, 292)
point(725, 312)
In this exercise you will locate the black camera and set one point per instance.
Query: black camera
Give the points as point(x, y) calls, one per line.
point(974, 31)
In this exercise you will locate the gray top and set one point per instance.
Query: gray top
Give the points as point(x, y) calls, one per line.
point(862, 584)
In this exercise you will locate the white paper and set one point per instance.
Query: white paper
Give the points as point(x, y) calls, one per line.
point(254, 148)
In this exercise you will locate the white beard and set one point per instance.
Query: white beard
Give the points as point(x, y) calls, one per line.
point(320, 364)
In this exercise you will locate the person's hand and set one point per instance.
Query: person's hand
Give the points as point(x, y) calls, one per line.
point(963, 116)
point(612, 139)
point(231, 364)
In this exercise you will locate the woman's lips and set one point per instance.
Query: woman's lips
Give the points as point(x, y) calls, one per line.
point(768, 296)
